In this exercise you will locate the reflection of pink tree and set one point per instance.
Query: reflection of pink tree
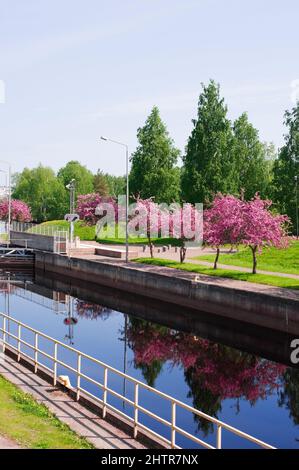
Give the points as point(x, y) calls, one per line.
point(225, 372)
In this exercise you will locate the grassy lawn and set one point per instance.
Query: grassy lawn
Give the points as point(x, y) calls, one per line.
point(271, 259)
point(32, 425)
point(87, 232)
point(196, 268)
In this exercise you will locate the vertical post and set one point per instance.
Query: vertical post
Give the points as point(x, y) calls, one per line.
point(136, 399)
point(4, 335)
point(35, 352)
point(78, 376)
point(55, 365)
point(219, 436)
point(173, 421)
point(127, 203)
point(105, 392)
point(19, 342)
point(9, 202)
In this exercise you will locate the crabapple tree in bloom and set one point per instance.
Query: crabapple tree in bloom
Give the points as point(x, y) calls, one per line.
point(261, 228)
point(20, 211)
point(186, 226)
point(251, 223)
point(222, 223)
point(147, 219)
point(87, 205)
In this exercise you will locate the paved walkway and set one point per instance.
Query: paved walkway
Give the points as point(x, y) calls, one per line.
point(7, 443)
point(191, 253)
point(84, 422)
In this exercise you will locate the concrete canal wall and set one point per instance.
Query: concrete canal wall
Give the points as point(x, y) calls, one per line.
point(266, 306)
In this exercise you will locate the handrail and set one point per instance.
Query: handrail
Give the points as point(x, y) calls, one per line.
point(174, 428)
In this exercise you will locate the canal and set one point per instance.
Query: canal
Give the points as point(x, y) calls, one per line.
point(233, 372)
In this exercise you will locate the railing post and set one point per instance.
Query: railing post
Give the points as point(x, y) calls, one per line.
point(55, 365)
point(173, 423)
point(4, 335)
point(219, 436)
point(35, 352)
point(78, 376)
point(105, 392)
point(19, 343)
point(136, 399)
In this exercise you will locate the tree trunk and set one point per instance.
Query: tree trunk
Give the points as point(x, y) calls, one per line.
point(183, 251)
point(217, 258)
point(254, 249)
point(151, 247)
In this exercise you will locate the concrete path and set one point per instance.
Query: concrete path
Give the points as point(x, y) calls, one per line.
point(6, 443)
point(191, 253)
point(242, 269)
point(84, 422)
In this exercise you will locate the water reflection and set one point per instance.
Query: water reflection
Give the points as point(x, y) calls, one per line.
point(211, 374)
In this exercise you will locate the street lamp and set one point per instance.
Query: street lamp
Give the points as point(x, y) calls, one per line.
point(297, 216)
point(127, 189)
point(72, 187)
point(9, 195)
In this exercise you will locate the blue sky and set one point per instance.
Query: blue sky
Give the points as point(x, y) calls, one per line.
point(75, 69)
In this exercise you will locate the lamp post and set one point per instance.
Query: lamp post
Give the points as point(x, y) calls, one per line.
point(72, 187)
point(297, 215)
point(127, 189)
point(9, 195)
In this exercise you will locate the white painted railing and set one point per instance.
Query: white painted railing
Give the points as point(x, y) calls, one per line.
point(107, 370)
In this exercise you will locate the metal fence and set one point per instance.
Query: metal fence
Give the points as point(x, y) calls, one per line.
point(105, 388)
point(39, 229)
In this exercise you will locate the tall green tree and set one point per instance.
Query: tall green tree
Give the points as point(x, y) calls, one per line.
point(252, 170)
point(154, 172)
point(83, 177)
point(42, 191)
point(286, 167)
point(116, 184)
point(100, 184)
point(209, 160)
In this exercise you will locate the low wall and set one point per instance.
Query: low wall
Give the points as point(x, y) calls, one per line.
point(260, 305)
point(35, 241)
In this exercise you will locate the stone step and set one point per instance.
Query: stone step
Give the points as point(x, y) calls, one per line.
point(119, 253)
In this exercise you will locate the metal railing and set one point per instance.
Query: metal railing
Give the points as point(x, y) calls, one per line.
point(38, 229)
point(107, 370)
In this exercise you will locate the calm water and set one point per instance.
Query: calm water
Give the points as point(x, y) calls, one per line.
point(257, 395)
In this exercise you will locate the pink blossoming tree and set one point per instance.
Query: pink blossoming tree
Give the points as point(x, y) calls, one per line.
point(87, 205)
point(186, 226)
point(20, 211)
point(148, 219)
point(222, 223)
point(234, 221)
point(261, 228)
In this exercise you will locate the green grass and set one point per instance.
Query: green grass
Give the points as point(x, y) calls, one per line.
point(271, 259)
point(276, 281)
point(85, 232)
point(32, 425)
point(88, 232)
